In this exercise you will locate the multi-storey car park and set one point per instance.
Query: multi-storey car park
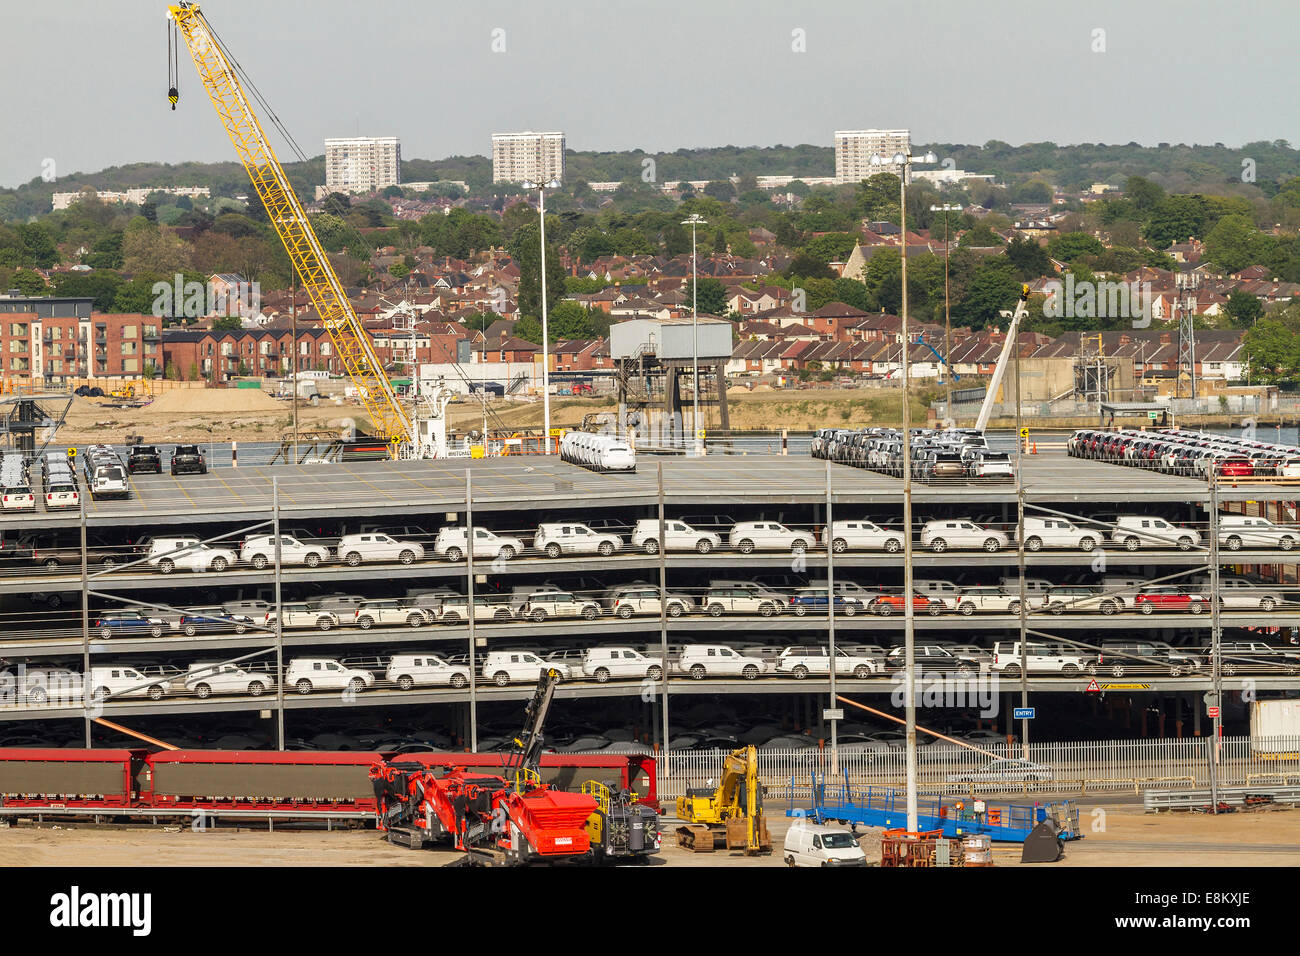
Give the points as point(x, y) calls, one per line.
point(69, 579)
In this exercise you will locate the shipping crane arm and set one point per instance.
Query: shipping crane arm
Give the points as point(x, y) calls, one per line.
point(1000, 370)
point(221, 76)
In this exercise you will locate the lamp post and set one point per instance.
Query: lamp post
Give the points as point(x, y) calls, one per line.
point(546, 349)
point(694, 220)
point(904, 161)
point(947, 314)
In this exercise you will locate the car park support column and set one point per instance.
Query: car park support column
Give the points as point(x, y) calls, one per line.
point(85, 617)
point(829, 537)
point(279, 618)
point(663, 617)
point(1020, 562)
point(1216, 641)
point(469, 609)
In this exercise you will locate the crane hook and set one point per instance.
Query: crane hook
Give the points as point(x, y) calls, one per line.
point(172, 96)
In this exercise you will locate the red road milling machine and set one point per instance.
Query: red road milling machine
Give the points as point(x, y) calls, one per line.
point(513, 818)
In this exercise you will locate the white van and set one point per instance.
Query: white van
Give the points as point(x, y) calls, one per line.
point(812, 844)
point(411, 670)
point(513, 667)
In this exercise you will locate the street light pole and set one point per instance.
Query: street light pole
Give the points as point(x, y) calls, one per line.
point(904, 161)
point(546, 350)
point(947, 314)
point(694, 220)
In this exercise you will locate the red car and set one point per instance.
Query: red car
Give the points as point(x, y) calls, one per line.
point(888, 604)
point(1236, 467)
point(1150, 600)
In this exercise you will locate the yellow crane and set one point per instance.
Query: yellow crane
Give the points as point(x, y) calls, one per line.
point(221, 77)
point(731, 815)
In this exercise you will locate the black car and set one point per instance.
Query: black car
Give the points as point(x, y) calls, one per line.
point(144, 458)
point(189, 460)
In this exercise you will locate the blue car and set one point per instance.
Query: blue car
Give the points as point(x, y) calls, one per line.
point(110, 623)
point(195, 621)
point(814, 599)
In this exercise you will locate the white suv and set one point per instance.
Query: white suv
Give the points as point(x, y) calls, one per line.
point(807, 660)
point(678, 536)
point(1134, 531)
point(750, 536)
point(960, 533)
point(572, 538)
point(514, 667)
point(1238, 530)
point(1040, 659)
point(411, 670)
point(118, 682)
point(188, 554)
point(1058, 533)
point(259, 551)
point(450, 544)
point(644, 599)
point(390, 613)
point(603, 663)
point(742, 599)
point(306, 674)
point(718, 660)
point(456, 609)
point(543, 604)
point(204, 680)
point(355, 548)
point(996, 600)
point(303, 615)
point(862, 536)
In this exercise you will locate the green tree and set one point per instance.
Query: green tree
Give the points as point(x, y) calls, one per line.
point(38, 245)
point(992, 288)
point(676, 240)
point(1143, 193)
point(101, 286)
point(28, 282)
point(875, 199)
point(399, 270)
point(1029, 257)
point(1273, 350)
point(569, 320)
point(831, 247)
point(711, 298)
point(227, 323)
point(721, 190)
point(1175, 219)
point(525, 249)
point(805, 266)
point(528, 329)
point(1070, 246)
point(1244, 308)
point(1234, 243)
point(981, 236)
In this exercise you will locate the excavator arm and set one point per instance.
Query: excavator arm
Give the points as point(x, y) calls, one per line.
point(220, 78)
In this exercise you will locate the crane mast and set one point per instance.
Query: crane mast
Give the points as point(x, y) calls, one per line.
point(355, 351)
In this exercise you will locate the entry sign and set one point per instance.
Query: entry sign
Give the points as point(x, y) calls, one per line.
point(1213, 711)
point(1022, 713)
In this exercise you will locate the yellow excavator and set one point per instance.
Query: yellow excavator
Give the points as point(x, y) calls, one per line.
point(729, 817)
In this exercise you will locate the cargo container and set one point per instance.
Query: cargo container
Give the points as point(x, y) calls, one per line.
point(1275, 726)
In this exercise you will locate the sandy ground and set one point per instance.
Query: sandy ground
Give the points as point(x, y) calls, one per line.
point(1130, 839)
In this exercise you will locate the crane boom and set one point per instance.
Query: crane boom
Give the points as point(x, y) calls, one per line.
point(355, 351)
point(1000, 370)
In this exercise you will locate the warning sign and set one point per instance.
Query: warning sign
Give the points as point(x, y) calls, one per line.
point(1214, 711)
point(1024, 432)
point(1092, 687)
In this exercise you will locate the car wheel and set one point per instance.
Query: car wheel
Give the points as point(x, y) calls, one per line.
point(991, 545)
point(1175, 671)
point(501, 678)
point(1092, 667)
point(698, 672)
point(1131, 544)
point(458, 680)
point(108, 563)
point(190, 630)
point(1034, 544)
point(605, 549)
point(798, 546)
point(1109, 607)
point(454, 555)
point(938, 545)
point(500, 614)
point(967, 608)
point(800, 609)
point(1184, 544)
point(356, 685)
point(404, 682)
point(624, 611)
point(675, 610)
point(539, 614)
point(241, 628)
point(202, 691)
point(156, 631)
point(1014, 608)
point(303, 686)
point(407, 556)
point(414, 620)
point(840, 545)
point(1056, 608)
point(1233, 543)
point(105, 632)
point(1011, 670)
point(766, 609)
point(590, 612)
point(655, 672)
point(1267, 604)
point(715, 610)
point(325, 623)
point(219, 564)
point(1287, 544)
point(353, 559)
point(745, 547)
point(862, 672)
point(365, 622)
point(259, 562)
point(893, 546)
point(799, 673)
point(935, 608)
point(850, 608)
point(1229, 670)
point(552, 550)
point(884, 608)
point(650, 546)
point(965, 671)
point(1087, 544)
point(749, 671)
point(601, 675)
point(154, 692)
point(1071, 670)
point(312, 560)
point(1197, 607)
point(256, 689)
point(1147, 607)
point(704, 546)
point(52, 564)
point(166, 566)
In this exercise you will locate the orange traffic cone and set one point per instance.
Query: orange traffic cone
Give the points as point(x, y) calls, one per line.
point(1035, 451)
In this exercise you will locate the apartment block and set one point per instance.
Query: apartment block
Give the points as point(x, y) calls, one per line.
point(528, 155)
point(47, 351)
point(854, 149)
point(362, 164)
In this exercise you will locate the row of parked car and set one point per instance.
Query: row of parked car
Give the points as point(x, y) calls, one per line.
point(954, 453)
point(1186, 452)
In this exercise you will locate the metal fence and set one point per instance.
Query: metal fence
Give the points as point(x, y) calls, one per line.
point(1097, 766)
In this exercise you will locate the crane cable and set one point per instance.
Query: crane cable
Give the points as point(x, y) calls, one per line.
point(173, 63)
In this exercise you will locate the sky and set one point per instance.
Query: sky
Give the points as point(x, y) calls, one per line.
point(85, 87)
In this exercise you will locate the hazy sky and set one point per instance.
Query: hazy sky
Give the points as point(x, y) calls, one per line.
point(84, 81)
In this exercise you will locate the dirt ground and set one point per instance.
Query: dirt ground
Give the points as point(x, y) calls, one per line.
point(1130, 839)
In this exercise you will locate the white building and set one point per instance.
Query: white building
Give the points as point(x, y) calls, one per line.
point(527, 155)
point(362, 164)
point(855, 147)
point(136, 195)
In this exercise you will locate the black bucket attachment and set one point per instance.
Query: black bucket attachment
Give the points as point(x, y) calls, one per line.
point(1043, 845)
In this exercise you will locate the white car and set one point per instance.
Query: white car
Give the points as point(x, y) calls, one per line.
point(717, 660)
point(514, 667)
point(356, 548)
point(42, 685)
point(390, 614)
point(204, 680)
point(862, 536)
point(1039, 659)
point(456, 609)
point(450, 544)
point(742, 599)
point(1004, 771)
point(259, 551)
point(678, 536)
point(603, 663)
point(812, 844)
point(413, 670)
point(1236, 531)
point(541, 605)
point(638, 599)
point(302, 616)
point(1058, 533)
point(960, 533)
point(115, 682)
point(573, 538)
point(1135, 531)
point(306, 674)
point(1243, 594)
point(992, 599)
point(801, 661)
point(750, 536)
point(188, 554)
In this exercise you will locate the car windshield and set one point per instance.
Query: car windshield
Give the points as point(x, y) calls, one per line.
point(838, 841)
